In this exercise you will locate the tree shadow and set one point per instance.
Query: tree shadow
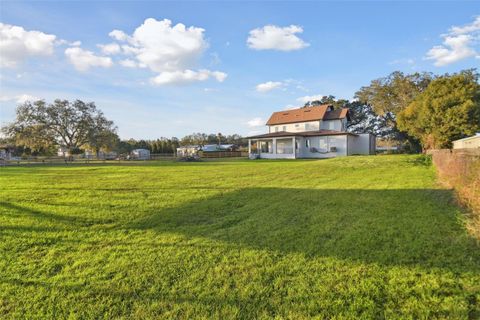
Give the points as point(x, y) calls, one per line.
point(397, 227)
point(20, 211)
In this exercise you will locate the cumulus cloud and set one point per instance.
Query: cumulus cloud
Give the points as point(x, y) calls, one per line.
point(128, 63)
point(187, 76)
point(16, 44)
point(118, 35)
point(171, 50)
point(306, 99)
point(268, 86)
point(109, 49)
point(83, 60)
point(256, 122)
point(276, 38)
point(458, 44)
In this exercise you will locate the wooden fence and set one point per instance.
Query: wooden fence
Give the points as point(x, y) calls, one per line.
point(460, 169)
point(223, 154)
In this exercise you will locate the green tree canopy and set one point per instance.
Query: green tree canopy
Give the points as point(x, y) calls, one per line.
point(62, 123)
point(447, 110)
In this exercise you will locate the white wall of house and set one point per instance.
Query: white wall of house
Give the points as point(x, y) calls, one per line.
point(337, 125)
point(295, 127)
point(362, 144)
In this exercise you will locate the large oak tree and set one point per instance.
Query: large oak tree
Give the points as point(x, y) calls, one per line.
point(72, 125)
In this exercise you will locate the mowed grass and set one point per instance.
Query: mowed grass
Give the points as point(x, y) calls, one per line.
point(348, 238)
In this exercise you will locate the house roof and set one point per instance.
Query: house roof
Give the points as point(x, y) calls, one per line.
point(336, 114)
point(315, 113)
point(302, 134)
point(476, 136)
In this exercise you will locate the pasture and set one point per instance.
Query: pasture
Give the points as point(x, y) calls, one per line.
point(357, 237)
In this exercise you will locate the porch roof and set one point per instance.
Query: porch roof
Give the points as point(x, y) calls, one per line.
point(281, 134)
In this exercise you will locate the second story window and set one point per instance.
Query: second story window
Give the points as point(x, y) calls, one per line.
point(284, 128)
point(276, 129)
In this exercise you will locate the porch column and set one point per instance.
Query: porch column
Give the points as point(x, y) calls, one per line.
point(293, 148)
point(249, 146)
point(274, 146)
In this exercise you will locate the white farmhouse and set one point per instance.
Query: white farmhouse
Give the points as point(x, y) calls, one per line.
point(309, 132)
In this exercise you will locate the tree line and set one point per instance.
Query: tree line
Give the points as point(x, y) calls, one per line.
point(419, 110)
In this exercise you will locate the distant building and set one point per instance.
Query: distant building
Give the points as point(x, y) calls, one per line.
point(467, 143)
point(188, 151)
point(63, 152)
point(140, 154)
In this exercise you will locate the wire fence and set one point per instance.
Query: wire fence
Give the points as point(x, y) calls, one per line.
point(92, 159)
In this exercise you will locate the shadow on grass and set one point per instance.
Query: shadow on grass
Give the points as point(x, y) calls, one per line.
point(407, 227)
point(17, 210)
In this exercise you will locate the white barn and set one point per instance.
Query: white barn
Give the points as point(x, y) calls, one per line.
point(309, 132)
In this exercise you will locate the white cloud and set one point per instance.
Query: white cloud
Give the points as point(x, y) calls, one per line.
point(469, 28)
point(256, 122)
point(163, 47)
point(454, 48)
point(83, 60)
point(306, 99)
point(187, 76)
point(457, 45)
point(268, 86)
point(128, 63)
point(19, 98)
point(171, 50)
point(118, 35)
point(16, 44)
point(276, 38)
point(109, 49)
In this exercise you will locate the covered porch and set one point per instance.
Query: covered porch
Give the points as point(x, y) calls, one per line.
point(273, 147)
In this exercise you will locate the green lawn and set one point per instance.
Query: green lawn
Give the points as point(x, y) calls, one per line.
point(358, 237)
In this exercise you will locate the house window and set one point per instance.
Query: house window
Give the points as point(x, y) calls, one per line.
point(284, 128)
point(307, 143)
point(331, 125)
point(284, 146)
point(266, 146)
point(323, 143)
point(276, 129)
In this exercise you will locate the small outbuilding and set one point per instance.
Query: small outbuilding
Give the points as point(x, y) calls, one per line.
point(140, 154)
point(467, 143)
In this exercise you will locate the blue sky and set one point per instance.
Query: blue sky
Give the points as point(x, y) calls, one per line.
point(230, 65)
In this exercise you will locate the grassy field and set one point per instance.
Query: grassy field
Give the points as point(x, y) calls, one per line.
point(358, 237)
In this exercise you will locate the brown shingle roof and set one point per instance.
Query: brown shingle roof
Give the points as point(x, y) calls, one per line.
point(314, 113)
point(301, 134)
point(336, 114)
